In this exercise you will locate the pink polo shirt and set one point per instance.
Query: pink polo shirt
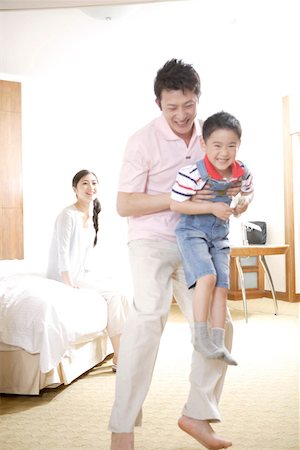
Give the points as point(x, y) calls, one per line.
point(152, 158)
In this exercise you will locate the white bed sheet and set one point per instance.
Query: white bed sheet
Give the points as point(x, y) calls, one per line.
point(46, 317)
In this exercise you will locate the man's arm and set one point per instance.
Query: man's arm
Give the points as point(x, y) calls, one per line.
point(218, 209)
point(208, 194)
point(139, 204)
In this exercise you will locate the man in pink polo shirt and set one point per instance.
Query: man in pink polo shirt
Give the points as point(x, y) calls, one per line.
point(153, 156)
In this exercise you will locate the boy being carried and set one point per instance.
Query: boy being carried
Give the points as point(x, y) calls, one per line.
point(202, 230)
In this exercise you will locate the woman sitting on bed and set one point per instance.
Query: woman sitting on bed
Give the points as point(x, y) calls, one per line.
point(74, 236)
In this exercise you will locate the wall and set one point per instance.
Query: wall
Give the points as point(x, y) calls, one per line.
point(87, 84)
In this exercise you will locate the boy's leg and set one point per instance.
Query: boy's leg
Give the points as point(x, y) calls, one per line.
point(151, 270)
point(218, 307)
point(218, 337)
point(203, 342)
point(199, 272)
point(202, 296)
point(218, 316)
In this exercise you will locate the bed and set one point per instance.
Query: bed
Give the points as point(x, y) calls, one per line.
point(50, 333)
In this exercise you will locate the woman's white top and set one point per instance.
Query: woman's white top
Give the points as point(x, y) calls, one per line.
point(71, 245)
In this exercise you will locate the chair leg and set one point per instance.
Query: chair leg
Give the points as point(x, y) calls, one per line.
point(270, 281)
point(242, 281)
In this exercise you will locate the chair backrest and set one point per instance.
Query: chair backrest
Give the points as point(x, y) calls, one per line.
point(256, 237)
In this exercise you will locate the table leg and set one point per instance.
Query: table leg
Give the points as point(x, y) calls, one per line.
point(242, 281)
point(270, 281)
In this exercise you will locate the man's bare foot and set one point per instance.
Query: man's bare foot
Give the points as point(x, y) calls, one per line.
point(122, 441)
point(203, 433)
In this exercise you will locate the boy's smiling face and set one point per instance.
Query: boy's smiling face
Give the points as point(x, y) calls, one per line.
point(221, 148)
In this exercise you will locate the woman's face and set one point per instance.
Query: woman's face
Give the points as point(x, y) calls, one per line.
point(87, 188)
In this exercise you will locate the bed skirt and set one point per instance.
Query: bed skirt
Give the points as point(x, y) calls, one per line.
point(20, 372)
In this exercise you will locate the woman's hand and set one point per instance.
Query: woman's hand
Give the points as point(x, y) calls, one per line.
point(67, 279)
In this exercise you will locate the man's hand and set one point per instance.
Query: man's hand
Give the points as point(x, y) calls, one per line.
point(233, 191)
point(207, 194)
point(203, 195)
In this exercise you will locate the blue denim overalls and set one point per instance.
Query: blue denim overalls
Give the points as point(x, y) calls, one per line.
point(202, 238)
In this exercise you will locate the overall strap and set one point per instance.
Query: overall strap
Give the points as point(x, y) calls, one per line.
point(218, 186)
point(202, 170)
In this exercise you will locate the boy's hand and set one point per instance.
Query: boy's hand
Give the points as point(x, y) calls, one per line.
point(221, 210)
point(239, 206)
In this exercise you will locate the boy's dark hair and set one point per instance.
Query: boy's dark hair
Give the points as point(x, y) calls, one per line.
point(97, 206)
point(221, 120)
point(176, 75)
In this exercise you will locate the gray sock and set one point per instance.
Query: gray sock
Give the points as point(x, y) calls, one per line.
point(217, 335)
point(203, 343)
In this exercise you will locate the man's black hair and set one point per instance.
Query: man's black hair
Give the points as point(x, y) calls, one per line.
point(176, 75)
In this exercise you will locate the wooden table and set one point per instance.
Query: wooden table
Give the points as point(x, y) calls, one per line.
point(260, 251)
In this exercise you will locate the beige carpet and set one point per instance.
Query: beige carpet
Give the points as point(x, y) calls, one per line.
point(259, 406)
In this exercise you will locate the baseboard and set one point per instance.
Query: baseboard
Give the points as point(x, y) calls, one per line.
point(283, 296)
point(251, 295)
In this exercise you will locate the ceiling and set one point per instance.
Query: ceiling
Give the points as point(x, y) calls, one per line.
point(42, 4)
